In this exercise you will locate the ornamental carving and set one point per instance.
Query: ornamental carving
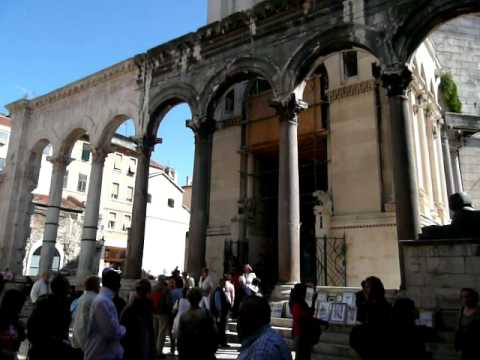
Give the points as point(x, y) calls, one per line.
point(351, 90)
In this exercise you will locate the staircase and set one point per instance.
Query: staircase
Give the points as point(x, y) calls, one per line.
point(334, 342)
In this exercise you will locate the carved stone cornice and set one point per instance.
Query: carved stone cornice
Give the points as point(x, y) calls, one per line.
point(396, 80)
point(201, 126)
point(351, 90)
point(60, 161)
point(87, 83)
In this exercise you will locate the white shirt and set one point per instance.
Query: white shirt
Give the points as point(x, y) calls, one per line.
point(104, 330)
point(183, 307)
point(246, 282)
point(230, 292)
point(206, 284)
point(82, 317)
point(39, 288)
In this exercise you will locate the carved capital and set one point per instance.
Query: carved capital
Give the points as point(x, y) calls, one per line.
point(396, 80)
point(99, 154)
point(59, 162)
point(289, 108)
point(146, 145)
point(201, 126)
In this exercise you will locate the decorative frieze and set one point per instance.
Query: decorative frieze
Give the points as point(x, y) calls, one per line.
point(351, 90)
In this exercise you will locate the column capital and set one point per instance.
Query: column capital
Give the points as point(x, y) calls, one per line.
point(99, 154)
point(60, 161)
point(146, 145)
point(289, 107)
point(201, 125)
point(396, 80)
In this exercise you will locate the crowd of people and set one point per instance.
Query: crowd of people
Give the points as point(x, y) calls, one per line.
point(97, 324)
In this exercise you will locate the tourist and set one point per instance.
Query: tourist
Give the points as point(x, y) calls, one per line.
point(306, 330)
point(176, 294)
point(206, 283)
point(182, 307)
point(188, 281)
point(104, 331)
point(197, 337)
point(246, 279)
point(407, 338)
point(259, 341)
point(40, 287)
point(82, 314)
point(139, 341)
point(370, 339)
point(162, 309)
point(12, 331)
point(219, 308)
point(468, 332)
point(48, 325)
point(229, 290)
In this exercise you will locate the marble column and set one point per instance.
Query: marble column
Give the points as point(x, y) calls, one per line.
point(47, 253)
point(88, 247)
point(136, 239)
point(447, 161)
point(396, 81)
point(288, 192)
point(199, 213)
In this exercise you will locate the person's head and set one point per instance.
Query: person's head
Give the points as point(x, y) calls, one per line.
point(459, 200)
point(194, 296)
point(143, 288)
point(92, 283)
point(184, 274)
point(111, 279)
point(204, 272)
point(221, 282)
point(254, 313)
point(469, 297)
point(374, 289)
point(404, 312)
point(60, 286)
point(227, 277)
point(247, 269)
point(171, 283)
point(299, 293)
point(12, 302)
point(179, 283)
point(45, 276)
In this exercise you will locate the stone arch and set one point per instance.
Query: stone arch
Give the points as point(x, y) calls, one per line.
point(240, 69)
point(35, 249)
point(167, 98)
point(108, 131)
point(423, 19)
point(68, 141)
point(306, 58)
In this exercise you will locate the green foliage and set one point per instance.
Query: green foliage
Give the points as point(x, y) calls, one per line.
point(450, 93)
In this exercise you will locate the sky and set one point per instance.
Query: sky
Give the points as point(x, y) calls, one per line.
point(49, 43)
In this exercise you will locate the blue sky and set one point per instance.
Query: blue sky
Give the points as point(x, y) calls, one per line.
point(50, 43)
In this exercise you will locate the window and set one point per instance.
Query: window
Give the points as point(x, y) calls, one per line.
point(2, 163)
point(127, 222)
point(130, 193)
point(230, 101)
point(112, 218)
point(82, 183)
point(86, 151)
point(115, 190)
point(132, 167)
point(35, 262)
point(4, 137)
point(65, 180)
point(171, 203)
point(47, 150)
point(350, 64)
point(117, 165)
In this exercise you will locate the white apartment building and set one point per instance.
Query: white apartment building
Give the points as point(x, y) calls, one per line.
point(5, 126)
point(167, 221)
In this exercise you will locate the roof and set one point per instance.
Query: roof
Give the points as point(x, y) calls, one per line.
point(68, 204)
point(5, 121)
point(156, 165)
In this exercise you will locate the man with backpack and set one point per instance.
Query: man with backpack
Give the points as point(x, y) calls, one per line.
point(162, 310)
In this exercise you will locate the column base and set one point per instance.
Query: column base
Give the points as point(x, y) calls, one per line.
point(281, 292)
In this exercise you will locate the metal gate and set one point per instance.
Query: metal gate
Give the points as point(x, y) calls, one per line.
point(331, 261)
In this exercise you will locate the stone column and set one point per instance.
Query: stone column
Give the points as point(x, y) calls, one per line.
point(288, 192)
point(457, 173)
point(88, 247)
point(447, 161)
point(396, 81)
point(47, 253)
point(133, 266)
point(199, 213)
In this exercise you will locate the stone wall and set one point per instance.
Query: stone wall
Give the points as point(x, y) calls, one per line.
point(436, 270)
point(452, 42)
point(469, 163)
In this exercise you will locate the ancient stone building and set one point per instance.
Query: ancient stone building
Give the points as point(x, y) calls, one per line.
point(304, 127)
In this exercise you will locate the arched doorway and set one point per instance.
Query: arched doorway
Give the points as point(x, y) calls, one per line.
point(34, 263)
